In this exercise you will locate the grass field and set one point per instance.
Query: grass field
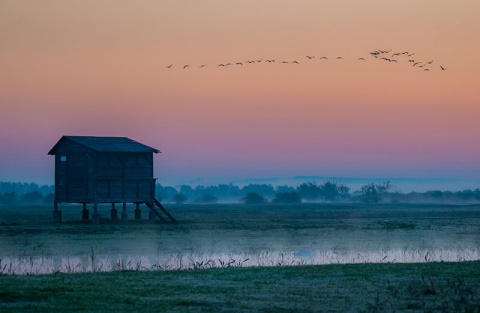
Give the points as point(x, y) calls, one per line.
point(244, 253)
point(427, 287)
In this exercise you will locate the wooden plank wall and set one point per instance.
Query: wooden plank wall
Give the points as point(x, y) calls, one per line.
point(124, 177)
point(73, 177)
point(88, 176)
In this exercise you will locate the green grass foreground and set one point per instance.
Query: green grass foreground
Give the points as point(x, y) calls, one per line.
point(436, 287)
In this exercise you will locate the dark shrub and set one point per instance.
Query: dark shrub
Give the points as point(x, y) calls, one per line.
point(179, 198)
point(253, 198)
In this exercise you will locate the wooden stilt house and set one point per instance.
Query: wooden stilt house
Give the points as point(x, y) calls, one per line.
point(95, 170)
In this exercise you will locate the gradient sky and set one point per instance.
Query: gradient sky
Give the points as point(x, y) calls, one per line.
point(99, 68)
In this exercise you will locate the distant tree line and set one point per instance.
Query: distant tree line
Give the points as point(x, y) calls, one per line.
point(12, 193)
point(329, 191)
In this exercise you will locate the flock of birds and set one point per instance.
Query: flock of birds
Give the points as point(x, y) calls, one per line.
point(382, 55)
point(395, 57)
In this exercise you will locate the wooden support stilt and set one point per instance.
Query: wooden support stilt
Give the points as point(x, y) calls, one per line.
point(57, 214)
point(113, 212)
point(124, 213)
point(95, 215)
point(138, 212)
point(85, 213)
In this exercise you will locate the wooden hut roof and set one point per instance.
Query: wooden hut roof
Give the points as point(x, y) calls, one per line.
point(106, 144)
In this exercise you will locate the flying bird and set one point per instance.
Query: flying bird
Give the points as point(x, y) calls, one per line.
point(310, 57)
point(295, 62)
point(416, 63)
point(384, 51)
point(284, 62)
point(430, 62)
point(185, 66)
point(426, 70)
point(203, 65)
point(443, 68)
point(170, 66)
point(389, 60)
point(323, 58)
point(339, 58)
point(361, 59)
point(239, 63)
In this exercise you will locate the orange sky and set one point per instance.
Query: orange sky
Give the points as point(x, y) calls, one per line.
point(99, 68)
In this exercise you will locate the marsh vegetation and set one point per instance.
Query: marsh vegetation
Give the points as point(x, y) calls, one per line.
point(238, 257)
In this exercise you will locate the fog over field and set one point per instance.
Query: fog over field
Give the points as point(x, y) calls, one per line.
point(241, 235)
point(341, 134)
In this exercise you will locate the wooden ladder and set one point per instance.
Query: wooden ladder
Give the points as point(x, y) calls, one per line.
point(153, 208)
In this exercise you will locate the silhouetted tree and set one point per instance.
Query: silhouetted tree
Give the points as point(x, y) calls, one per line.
point(468, 195)
point(329, 191)
point(9, 198)
point(48, 199)
point(164, 192)
point(229, 191)
point(285, 188)
point(309, 191)
point(22, 188)
point(179, 198)
point(253, 198)
point(198, 192)
point(343, 192)
point(287, 197)
point(372, 193)
point(201, 191)
point(434, 194)
point(263, 189)
point(188, 191)
point(383, 187)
